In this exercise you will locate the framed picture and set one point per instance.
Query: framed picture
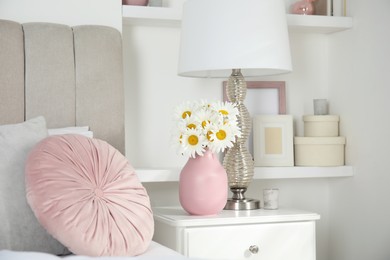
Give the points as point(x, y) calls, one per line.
point(339, 7)
point(273, 140)
point(262, 98)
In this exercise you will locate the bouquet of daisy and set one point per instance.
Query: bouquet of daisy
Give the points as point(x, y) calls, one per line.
point(202, 125)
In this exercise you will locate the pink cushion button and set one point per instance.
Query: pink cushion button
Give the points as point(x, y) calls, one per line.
point(98, 193)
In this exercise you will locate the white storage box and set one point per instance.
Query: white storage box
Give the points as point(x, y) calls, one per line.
point(321, 126)
point(319, 151)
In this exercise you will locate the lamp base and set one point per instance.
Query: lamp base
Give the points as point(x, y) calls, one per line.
point(239, 202)
point(242, 204)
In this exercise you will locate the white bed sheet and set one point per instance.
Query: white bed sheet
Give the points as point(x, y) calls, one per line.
point(154, 252)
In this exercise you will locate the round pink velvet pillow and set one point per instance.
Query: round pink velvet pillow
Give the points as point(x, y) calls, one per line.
point(87, 196)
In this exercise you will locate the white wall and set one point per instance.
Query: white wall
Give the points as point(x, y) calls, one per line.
point(153, 91)
point(70, 12)
point(359, 90)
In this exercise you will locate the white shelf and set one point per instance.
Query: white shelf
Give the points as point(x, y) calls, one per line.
point(148, 15)
point(163, 16)
point(261, 173)
point(302, 172)
point(318, 23)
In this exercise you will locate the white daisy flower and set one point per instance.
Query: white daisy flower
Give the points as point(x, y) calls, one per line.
point(221, 138)
point(233, 124)
point(227, 109)
point(191, 122)
point(206, 116)
point(177, 142)
point(208, 129)
point(193, 142)
point(186, 109)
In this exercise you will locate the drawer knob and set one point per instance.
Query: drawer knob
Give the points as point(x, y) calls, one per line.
point(254, 249)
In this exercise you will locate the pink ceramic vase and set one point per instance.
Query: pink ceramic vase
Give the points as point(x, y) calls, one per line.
point(203, 185)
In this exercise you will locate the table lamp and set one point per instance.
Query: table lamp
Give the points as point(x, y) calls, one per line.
point(232, 38)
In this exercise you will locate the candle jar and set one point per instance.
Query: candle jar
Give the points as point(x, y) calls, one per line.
point(135, 2)
point(271, 198)
point(304, 7)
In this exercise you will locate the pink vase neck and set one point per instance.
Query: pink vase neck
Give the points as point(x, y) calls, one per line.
point(207, 154)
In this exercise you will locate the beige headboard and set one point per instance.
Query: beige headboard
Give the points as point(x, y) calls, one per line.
point(73, 76)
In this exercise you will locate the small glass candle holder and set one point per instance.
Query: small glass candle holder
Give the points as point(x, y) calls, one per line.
point(320, 106)
point(271, 198)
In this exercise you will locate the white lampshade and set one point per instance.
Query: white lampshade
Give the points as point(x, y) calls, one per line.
point(220, 35)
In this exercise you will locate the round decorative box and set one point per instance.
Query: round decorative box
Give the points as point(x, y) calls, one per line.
point(321, 126)
point(319, 151)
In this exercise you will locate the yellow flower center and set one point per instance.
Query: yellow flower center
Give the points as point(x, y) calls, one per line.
point(191, 126)
point(209, 133)
point(185, 114)
point(224, 112)
point(193, 140)
point(204, 123)
point(221, 135)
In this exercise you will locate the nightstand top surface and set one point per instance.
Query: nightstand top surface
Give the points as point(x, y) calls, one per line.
point(176, 216)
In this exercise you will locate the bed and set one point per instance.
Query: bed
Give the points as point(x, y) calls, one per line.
point(53, 77)
point(155, 252)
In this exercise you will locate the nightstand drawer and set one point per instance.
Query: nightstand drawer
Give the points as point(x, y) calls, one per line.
point(274, 241)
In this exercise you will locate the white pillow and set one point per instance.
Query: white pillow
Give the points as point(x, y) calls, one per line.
point(82, 130)
point(19, 229)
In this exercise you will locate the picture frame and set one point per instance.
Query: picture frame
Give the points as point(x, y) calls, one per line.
point(339, 7)
point(262, 98)
point(273, 140)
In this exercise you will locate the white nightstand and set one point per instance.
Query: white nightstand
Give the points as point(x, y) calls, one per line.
point(254, 234)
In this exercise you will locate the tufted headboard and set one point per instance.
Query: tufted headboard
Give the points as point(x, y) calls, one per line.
point(73, 76)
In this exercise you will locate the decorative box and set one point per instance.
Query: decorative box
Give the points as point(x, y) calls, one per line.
point(319, 151)
point(321, 126)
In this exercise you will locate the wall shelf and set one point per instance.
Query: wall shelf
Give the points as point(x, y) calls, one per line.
point(318, 23)
point(261, 173)
point(164, 16)
point(152, 16)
